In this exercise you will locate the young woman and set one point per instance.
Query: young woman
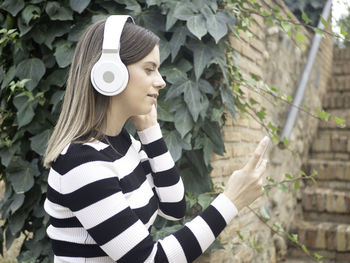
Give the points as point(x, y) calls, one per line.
point(105, 188)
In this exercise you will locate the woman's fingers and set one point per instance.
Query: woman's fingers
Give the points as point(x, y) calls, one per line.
point(253, 161)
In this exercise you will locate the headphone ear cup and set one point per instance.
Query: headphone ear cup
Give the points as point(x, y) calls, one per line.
point(109, 76)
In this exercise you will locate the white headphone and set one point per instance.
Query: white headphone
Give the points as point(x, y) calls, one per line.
point(109, 75)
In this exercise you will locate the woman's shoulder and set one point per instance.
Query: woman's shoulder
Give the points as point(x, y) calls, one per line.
point(77, 154)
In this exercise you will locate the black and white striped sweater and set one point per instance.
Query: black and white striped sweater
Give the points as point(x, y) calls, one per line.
point(102, 204)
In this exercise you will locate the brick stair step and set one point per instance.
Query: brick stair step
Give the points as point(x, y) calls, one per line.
point(296, 255)
point(329, 170)
point(323, 204)
point(336, 100)
point(341, 54)
point(331, 124)
point(339, 83)
point(335, 142)
point(323, 235)
point(341, 67)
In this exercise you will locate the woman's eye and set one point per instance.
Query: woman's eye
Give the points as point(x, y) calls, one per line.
point(149, 70)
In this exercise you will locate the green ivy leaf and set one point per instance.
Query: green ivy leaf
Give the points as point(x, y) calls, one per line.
point(177, 89)
point(324, 22)
point(29, 12)
point(57, 12)
point(177, 41)
point(79, 5)
point(202, 54)
point(264, 214)
point(17, 202)
point(173, 141)
point(64, 53)
point(39, 142)
point(323, 115)
point(33, 69)
point(300, 37)
point(208, 148)
point(192, 97)
point(228, 99)
point(21, 174)
point(319, 31)
point(306, 19)
point(182, 12)
point(25, 109)
point(343, 31)
point(213, 131)
point(283, 187)
point(13, 7)
point(183, 121)
point(204, 200)
point(196, 25)
point(287, 27)
point(163, 111)
point(216, 25)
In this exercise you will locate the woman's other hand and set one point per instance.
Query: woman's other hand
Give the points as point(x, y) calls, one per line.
point(245, 185)
point(142, 122)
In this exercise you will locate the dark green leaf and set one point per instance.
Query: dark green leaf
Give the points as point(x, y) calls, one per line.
point(202, 54)
point(10, 74)
point(79, 5)
point(228, 99)
point(164, 50)
point(173, 141)
point(216, 25)
point(64, 53)
point(23, 27)
point(163, 111)
point(182, 12)
point(57, 12)
point(196, 25)
point(214, 133)
point(177, 40)
point(39, 142)
point(173, 74)
point(17, 221)
point(206, 87)
point(25, 109)
point(58, 29)
point(13, 7)
point(33, 69)
point(208, 148)
point(21, 174)
point(17, 202)
point(6, 154)
point(192, 98)
point(177, 89)
point(183, 121)
point(205, 199)
point(28, 13)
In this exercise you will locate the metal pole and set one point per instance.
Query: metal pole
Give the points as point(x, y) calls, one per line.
point(298, 97)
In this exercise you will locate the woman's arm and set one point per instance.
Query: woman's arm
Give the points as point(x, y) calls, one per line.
point(167, 181)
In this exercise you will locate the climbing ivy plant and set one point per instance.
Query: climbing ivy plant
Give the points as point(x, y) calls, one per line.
point(36, 48)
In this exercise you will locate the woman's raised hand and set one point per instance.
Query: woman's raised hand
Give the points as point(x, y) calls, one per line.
point(142, 122)
point(245, 185)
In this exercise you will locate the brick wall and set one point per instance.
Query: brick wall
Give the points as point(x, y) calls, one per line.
point(278, 61)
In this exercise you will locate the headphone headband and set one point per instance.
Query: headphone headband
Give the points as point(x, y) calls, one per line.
point(113, 30)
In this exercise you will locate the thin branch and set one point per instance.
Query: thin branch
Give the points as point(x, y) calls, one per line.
point(288, 181)
point(297, 245)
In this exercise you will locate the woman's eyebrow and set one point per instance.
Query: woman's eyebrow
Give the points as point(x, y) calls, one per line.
point(152, 63)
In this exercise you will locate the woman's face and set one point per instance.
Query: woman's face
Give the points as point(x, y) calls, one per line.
point(143, 87)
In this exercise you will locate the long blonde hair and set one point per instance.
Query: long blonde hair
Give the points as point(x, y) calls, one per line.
point(84, 109)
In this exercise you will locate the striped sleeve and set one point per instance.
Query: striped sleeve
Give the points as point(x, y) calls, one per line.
point(121, 235)
point(167, 181)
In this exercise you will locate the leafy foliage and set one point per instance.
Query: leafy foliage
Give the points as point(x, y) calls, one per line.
point(36, 47)
point(311, 8)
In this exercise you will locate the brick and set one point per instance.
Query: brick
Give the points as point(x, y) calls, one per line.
point(340, 203)
point(331, 238)
point(321, 237)
point(341, 238)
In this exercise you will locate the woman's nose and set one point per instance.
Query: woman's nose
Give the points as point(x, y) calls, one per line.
point(159, 82)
